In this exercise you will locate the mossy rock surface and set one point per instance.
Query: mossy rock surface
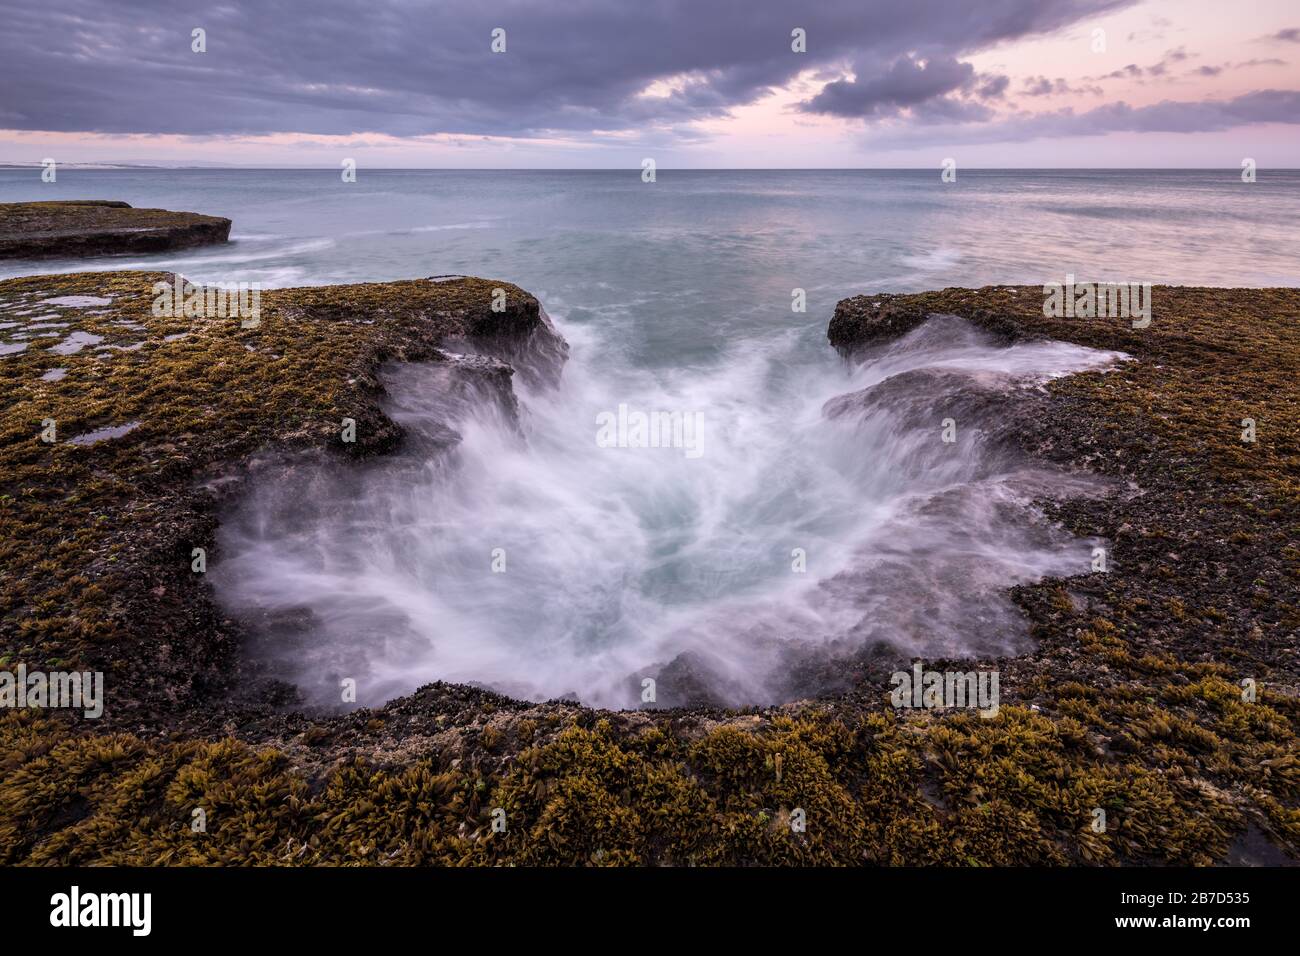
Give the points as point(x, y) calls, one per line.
point(1131, 703)
point(97, 227)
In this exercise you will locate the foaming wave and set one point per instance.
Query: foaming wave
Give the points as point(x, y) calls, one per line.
point(502, 545)
point(272, 261)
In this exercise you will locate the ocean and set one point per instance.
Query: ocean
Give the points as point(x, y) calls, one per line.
point(622, 563)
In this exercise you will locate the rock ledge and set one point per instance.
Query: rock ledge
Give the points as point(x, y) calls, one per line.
point(100, 227)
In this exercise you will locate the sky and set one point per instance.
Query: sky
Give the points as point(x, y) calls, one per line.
point(687, 83)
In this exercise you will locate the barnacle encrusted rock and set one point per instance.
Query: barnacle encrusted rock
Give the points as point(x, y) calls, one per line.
point(98, 227)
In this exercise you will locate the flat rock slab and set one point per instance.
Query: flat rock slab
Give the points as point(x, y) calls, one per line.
point(98, 227)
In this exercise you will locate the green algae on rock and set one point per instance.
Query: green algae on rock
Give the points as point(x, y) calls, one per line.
point(97, 558)
point(1131, 703)
point(94, 227)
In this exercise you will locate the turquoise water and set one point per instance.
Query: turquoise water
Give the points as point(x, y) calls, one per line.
point(623, 563)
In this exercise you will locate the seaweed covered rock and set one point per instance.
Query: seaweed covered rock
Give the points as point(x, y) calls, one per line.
point(95, 227)
point(125, 425)
point(1161, 690)
point(866, 319)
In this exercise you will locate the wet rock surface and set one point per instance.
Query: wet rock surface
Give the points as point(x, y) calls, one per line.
point(82, 228)
point(1131, 699)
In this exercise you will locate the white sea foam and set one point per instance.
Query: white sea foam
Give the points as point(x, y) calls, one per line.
point(623, 563)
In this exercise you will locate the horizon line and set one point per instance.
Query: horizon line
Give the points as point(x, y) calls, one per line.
point(105, 166)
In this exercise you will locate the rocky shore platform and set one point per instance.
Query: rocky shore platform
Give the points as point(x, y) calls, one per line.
point(1162, 692)
point(98, 227)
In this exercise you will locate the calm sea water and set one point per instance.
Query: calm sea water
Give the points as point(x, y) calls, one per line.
point(686, 264)
point(676, 296)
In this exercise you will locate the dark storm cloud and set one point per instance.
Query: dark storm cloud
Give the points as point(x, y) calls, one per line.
point(993, 87)
point(407, 68)
point(907, 82)
point(911, 83)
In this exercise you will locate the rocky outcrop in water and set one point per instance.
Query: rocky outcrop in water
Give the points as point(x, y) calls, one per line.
point(865, 319)
point(93, 227)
